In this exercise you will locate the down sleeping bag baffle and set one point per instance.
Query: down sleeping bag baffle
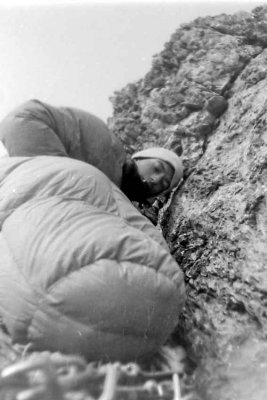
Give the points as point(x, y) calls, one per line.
point(36, 128)
point(81, 270)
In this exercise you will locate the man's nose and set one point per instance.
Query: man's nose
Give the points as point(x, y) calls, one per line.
point(157, 178)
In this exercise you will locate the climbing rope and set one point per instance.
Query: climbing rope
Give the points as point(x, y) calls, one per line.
point(53, 376)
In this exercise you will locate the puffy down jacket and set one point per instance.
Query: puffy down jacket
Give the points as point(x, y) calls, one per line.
point(81, 270)
point(37, 128)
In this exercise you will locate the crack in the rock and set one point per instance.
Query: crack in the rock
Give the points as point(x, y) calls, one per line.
point(245, 40)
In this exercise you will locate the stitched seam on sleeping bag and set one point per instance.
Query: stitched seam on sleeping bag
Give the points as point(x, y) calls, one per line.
point(34, 292)
point(147, 238)
point(22, 160)
point(67, 317)
point(153, 339)
point(60, 280)
point(56, 284)
point(40, 298)
point(20, 269)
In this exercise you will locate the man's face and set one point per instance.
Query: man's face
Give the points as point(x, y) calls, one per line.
point(156, 173)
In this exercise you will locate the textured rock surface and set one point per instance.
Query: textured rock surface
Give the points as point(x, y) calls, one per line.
point(206, 97)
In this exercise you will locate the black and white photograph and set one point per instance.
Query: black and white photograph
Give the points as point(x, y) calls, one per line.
point(133, 200)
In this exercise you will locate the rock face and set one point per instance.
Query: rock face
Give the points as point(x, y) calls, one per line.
point(206, 98)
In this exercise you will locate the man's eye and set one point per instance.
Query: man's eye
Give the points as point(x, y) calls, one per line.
point(158, 167)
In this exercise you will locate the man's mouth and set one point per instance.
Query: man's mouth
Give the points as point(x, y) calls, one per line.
point(146, 185)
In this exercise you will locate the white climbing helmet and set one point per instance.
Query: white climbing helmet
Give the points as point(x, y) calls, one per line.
point(165, 155)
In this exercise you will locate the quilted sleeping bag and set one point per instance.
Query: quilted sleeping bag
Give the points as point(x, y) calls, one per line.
point(81, 270)
point(37, 128)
